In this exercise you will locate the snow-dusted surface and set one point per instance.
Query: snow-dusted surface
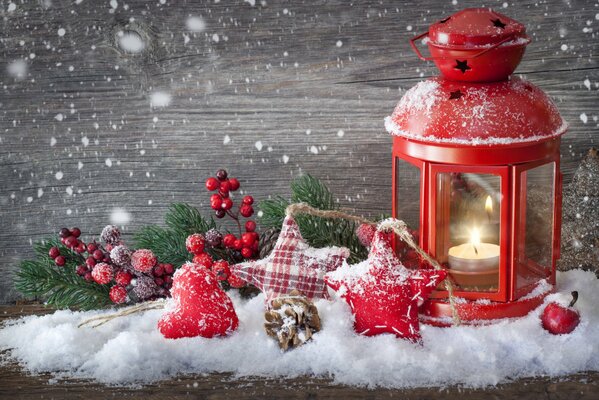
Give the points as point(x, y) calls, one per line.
point(130, 350)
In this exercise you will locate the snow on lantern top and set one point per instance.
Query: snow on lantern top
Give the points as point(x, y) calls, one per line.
point(476, 102)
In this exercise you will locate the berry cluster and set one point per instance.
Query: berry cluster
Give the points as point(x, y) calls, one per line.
point(134, 275)
point(246, 243)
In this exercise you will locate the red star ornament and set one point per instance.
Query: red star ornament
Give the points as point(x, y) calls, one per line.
point(383, 294)
point(292, 264)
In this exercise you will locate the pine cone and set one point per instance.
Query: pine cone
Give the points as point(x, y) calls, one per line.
point(268, 239)
point(292, 320)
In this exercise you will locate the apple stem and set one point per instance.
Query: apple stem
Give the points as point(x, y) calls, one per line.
point(574, 298)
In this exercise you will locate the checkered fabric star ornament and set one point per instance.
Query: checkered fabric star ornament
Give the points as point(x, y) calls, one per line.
point(292, 264)
point(384, 296)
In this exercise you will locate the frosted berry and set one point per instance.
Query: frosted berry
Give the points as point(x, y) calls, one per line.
point(212, 184)
point(213, 237)
point(229, 240)
point(235, 281)
point(118, 294)
point(221, 175)
point(221, 270)
point(227, 204)
point(203, 259)
point(249, 200)
point(246, 252)
point(123, 278)
point(143, 260)
point(250, 226)
point(64, 233)
point(60, 261)
point(220, 213)
point(195, 243)
point(76, 232)
point(111, 234)
point(53, 252)
point(233, 184)
point(365, 234)
point(102, 273)
point(144, 287)
point(120, 255)
point(246, 210)
point(169, 269)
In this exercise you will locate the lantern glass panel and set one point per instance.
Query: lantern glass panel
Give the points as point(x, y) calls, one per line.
point(467, 228)
point(407, 194)
point(535, 241)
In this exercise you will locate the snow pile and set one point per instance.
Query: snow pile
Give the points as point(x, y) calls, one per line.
point(131, 350)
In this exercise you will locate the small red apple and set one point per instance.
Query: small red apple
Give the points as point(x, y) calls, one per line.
point(558, 319)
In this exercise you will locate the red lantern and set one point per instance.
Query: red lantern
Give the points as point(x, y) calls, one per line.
point(476, 169)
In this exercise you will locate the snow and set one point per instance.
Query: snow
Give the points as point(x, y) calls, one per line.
point(584, 118)
point(131, 42)
point(61, 32)
point(160, 99)
point(465, 355)
point(195, 24)
point(17, 69)
point(119, 216)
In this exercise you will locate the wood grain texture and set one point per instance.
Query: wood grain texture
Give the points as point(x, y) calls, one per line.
point(279, 79)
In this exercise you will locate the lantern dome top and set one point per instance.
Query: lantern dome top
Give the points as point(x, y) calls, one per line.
point(463, 113)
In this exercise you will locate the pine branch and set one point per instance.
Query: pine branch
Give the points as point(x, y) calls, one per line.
point(60, 286)
point(319, 232)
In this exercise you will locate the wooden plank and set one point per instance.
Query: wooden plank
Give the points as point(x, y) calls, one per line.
point(264, 76)
point(17, 384)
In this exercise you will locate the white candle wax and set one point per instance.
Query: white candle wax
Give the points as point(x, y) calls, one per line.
point(465, 258)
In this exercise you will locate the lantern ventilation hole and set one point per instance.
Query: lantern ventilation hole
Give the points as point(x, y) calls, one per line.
point(444, 20)
point(462, 66)
point(498, 24)
point(455, 95)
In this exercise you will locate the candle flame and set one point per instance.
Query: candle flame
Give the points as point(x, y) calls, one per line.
point(475, 237)
point(489, 205)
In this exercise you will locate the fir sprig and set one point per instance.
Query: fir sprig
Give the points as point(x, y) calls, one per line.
point(60, 286)
point(319, 232)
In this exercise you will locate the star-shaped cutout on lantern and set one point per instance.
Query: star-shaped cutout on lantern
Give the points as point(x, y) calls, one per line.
point(497, 23)
point(383, 295)
point(455, 95)
point(462, 66)
point(292, 264)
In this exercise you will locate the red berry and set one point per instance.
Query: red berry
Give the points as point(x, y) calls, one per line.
point(216, 201)
point(60, 261)
point(195, 243)
point(81, 270)
point(158, 270)
point(250, 226)
point(109, 247)
point(236, 281)
point(169, 269)
point(225, 187)
point(246, 210)
point(88, 276)
point(159, 281)
point(91, 247)
point(53, 252)
point(80, 247)
point(212, 184)
point(102, 273)
point(143, 260)
point(233, 184)
point(90, 261)
point(64, 233)
point(249, 200)
point(71, 242)
point(227, 204)
point(246, 252)
point(559, 319)
point(123, 278)
point(98, 255)
point(203, 259)
point(167, 279)
point(221, 175)
point(247, 239)
point(229, 240)
point(76, 232)
point(237, 244)
point(118, 294)
point(220, 213)
point(221, 269)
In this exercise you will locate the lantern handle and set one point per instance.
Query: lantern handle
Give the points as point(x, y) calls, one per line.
point(480, 53)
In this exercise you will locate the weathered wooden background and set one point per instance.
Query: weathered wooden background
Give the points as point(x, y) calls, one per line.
point(267, 90)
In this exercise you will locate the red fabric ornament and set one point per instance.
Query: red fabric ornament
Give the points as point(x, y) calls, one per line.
point(202, 308)
point(383, 294)
point(292, 264)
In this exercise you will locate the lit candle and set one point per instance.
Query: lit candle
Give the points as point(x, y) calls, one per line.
point(489, 207)
point(474, 255)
